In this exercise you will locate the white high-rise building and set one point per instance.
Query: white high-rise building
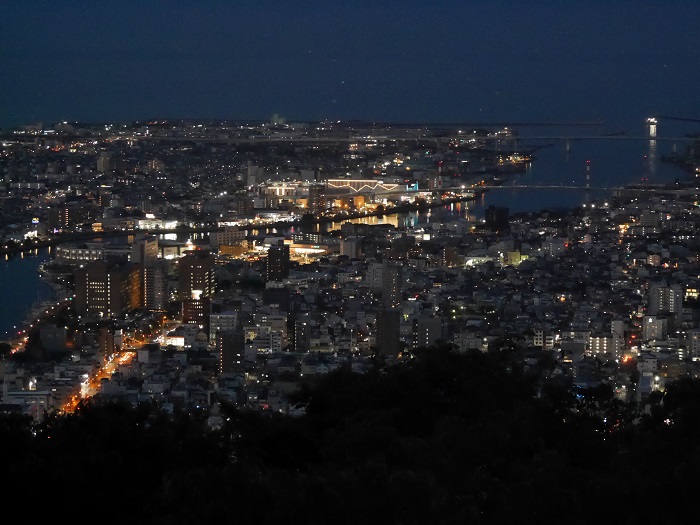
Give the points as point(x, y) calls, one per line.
point(654, 328)
point(665, 299)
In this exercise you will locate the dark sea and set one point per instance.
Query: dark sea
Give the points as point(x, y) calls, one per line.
point(21, 288)
point(618, 158)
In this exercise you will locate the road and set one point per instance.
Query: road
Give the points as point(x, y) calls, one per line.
point(93, 384)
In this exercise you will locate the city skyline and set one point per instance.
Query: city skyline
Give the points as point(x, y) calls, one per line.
point(411, 61)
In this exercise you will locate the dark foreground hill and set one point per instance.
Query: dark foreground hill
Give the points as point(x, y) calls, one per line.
point(446, 439)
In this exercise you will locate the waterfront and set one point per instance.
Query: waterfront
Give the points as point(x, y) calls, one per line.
point(615, 160)
point(22, 289)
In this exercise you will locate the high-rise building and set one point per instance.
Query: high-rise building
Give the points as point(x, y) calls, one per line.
point(352, 247)
point(389, 332)
point(71, 214)
point(654, 327)
point(374, 275)
point(242, 205)
point(106, 162)
point(196, 310)
point(302, 334)
point(222, 322)
point(146, 204)
point(155, 286)
point(153, 272)
point(106, 342)
point(665, 299)
point(196, 272)
point(317, 199)
point(231, 347)
point(497, 218)
point(277, 263)
point(693, 344)
point(450, 256)
point(427, 331)
point(107, 289)
point(145, 251)
point(392, 281)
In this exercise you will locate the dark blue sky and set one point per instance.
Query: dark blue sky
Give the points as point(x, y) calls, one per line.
point(447, 61)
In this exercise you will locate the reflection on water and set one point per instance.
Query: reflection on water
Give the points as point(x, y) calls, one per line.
point(22, 288)
point(392, 220)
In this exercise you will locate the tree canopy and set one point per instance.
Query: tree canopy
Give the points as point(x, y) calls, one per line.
point(446, 438)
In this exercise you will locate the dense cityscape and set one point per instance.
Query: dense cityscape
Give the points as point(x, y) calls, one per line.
point(267, 291)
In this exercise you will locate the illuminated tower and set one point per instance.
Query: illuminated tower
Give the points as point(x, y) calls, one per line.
point(651, 125)
point(588, 175)
point(588, 180)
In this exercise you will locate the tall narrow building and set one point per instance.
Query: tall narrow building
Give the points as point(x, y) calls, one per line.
point(392, 280)
point(145, 251)
point(277, 263)
point(302, 334)
point(231, 347)
point(197, 310)
point(155, 286)
point(389, 332)
point(153, 273)
point(317, 199)
point(196, 272)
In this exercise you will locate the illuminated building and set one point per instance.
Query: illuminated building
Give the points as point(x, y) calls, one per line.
point(693, 344)
point(153, 272)
point(222, 322)
point(665, 299)
point(196, 272)
point(196, 310)
point(392, 280)
point(69, 215)
point(231, 235)
point(654, 327)
point(231, 347)
point(145, 251)
point(302, 335)
point(317, 199)
point(450, 256)
point(427, 331)
point(155, 287)
point(106, 289)
point(277, 262)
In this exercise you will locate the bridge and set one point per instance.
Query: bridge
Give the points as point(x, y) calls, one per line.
point(471, 192)
point(549, 187)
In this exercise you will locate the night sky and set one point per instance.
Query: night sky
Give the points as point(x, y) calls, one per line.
point(409, 61)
